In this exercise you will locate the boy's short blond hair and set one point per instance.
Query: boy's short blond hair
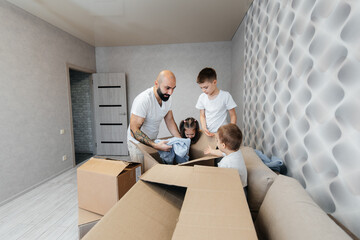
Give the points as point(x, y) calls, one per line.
point(231, 135)
point(206, 75)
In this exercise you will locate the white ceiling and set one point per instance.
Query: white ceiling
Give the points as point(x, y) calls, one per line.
point(141, 22)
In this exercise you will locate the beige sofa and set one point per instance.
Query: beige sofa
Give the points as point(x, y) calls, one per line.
point(281, 207)
point(260, 178)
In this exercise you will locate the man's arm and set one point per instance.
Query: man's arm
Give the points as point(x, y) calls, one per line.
point(135, 124)
point(203, 123)
point(171, 125)
point(232, 114)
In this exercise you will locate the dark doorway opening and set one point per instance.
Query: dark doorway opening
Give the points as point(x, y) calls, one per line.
point(82, 114)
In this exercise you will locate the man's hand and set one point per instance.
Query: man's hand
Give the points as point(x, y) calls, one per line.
point(208, 133)
point(162, 146)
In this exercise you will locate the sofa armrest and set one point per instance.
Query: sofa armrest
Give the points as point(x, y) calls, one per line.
point(260, 178)
point(288, 212)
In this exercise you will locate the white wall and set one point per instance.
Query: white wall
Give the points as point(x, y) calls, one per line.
point(34, 99)
point(301, 95)
point(143, 63)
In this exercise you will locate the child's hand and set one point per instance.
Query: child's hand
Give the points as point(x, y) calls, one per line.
point(211, 151)
point(208, 150)
point(208, 133)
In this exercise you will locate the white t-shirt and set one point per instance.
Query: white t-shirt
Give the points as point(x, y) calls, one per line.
point(216, 109)
point(235, 160)
point(146, 106)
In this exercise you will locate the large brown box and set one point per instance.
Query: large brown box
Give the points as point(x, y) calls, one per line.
point(180, 202)
point(196, 153)
point(102, 182)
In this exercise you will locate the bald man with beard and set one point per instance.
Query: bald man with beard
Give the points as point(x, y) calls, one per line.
point(147, 112)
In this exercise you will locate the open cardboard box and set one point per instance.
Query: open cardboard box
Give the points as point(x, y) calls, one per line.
point(180, 202)
point(102, 182)
point(196, 153)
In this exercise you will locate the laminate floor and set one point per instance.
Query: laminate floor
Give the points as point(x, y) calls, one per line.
point(50, 211)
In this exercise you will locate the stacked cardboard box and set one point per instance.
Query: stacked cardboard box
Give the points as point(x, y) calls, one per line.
point(101, 183)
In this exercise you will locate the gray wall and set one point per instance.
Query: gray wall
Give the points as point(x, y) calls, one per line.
point(34, 99)
point(301, 95)
point(143, 63)
point(82, 114)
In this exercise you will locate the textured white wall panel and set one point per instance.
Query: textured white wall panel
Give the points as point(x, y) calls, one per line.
point(302, 96)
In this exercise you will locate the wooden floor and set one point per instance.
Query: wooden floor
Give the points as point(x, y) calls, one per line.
point(49, 211)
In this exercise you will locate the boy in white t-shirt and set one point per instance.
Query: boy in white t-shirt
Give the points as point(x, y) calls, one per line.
point(213, 103)
point(228, 140)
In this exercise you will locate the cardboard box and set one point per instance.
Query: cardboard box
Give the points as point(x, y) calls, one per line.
point(102, 182)
point(196, 153)
point(86, 221)
point(180, 202)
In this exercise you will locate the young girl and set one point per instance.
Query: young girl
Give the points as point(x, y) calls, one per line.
point(189, 128)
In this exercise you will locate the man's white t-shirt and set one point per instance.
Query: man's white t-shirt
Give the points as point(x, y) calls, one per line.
point(216, 109)
point(146, 106)
point(235, 160)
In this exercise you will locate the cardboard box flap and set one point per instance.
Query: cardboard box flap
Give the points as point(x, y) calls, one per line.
point(87, 216)
point(207, 161)
point(220, 190)
point(108, 167)
point(197, 149)
point(196, 233)
point(86, 221)
point(149, 211)
point(211, 178)
point(169, 175)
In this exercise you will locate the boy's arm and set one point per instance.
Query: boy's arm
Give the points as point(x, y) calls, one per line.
point(211, 151)
point(232, 114)
point(171, 125)
point(203, 123)
point(135, 124)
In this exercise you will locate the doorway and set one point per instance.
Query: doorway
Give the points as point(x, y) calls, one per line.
point(82, 114)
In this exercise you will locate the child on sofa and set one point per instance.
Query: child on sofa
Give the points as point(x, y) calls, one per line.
point(189, 128)
point(228, 140)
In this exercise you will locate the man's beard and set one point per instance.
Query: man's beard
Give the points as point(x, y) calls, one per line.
point(162, 96)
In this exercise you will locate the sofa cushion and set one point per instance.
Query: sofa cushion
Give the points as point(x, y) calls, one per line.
point(288, 212)
point(260, 178)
